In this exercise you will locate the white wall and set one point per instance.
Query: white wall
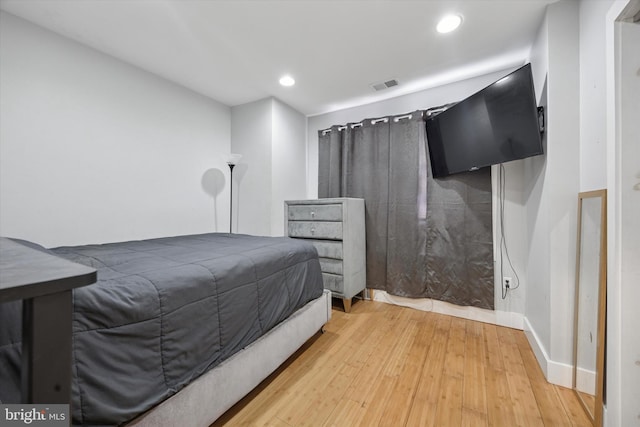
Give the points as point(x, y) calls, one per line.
point(251, 127)
point(537, 308)
point(595, 162)
point(593, 147)
point(289, 161)
point(562, 173)
point(509, 311)
point(95, 150)
point(600, 167)
point(271, 137)
point(550, 295)
point(551, 198)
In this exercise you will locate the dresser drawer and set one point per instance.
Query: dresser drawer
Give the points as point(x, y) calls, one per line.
point(328, 248)
point(328, 265)
point(315, 213)
point(333, 282)
point(315, 230)
point(336, 228)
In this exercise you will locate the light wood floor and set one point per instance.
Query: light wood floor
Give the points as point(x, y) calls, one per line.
point(384, 365)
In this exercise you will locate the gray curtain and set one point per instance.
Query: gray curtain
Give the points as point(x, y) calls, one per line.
point(425, 237)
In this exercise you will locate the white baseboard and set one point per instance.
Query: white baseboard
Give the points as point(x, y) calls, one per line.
point(560, 374)
point(538, 350)
point(501, 318)
point(586, 381)
point(555, 372)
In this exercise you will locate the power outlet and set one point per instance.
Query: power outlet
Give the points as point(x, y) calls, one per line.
point(507, 282)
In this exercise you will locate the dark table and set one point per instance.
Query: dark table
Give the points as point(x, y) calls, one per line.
point(44, 283)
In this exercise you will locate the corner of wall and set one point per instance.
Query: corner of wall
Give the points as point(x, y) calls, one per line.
point(289, 152)
point(556, 373)
point(252, 136)
point(271, 134)
point(551, 205)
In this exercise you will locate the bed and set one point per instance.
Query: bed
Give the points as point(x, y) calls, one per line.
point(176, 330)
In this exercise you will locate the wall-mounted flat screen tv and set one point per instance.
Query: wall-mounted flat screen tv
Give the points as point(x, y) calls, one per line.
point(498, 124)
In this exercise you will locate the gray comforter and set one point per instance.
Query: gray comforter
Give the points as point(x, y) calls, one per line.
point(165, 311)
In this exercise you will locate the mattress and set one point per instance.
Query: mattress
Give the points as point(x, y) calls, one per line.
point(165, 311)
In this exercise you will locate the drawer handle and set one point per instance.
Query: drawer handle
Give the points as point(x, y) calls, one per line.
point(313, 230)
point(313, 214)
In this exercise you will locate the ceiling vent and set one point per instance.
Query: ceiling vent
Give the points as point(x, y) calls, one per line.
point(384, 85)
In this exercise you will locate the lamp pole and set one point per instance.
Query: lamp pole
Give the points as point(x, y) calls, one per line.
point(231, 166)
point(232, 161)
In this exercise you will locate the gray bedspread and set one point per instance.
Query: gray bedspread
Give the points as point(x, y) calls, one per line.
point(163, 312)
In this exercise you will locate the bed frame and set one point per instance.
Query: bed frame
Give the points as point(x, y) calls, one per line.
point(207, 398)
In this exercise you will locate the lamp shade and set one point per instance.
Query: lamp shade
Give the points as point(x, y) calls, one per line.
point(233, 159)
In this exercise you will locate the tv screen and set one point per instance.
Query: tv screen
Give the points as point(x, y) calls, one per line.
point(495, 125)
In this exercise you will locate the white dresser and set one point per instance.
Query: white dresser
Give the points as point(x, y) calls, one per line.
point(336, 229)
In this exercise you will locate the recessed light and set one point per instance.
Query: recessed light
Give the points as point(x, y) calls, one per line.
point(287, 81)
point(449, 23)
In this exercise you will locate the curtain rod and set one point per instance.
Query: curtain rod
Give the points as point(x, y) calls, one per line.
point(373, 122)
point(406, 116)
point(428, 112)
point(438, 109)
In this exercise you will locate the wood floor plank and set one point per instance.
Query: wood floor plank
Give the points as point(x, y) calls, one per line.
point(426, 398)
point(275, 389)
point(314, 399)
point(397, 358)
point(492, 347)
point(368, 379)
point(322, 385)
point(551, 408)
point(388, 365)
point(378, 400)
point(319, 411)
point(289, 386)
point(269, 392)
point(499, 405)
point(455, 349)
point(474, 399)
point(471, 418)
point(393, 367)
point(347, 413)
point(449, 411)
point(276, 422)
point(523, 400)
point(589, 400)
point(574, 409)
point(398, 407)
point(520, 388)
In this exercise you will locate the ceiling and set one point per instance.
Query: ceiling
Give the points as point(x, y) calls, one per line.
point(235, 51)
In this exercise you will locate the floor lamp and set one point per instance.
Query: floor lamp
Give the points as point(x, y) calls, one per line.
point(232, 160)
